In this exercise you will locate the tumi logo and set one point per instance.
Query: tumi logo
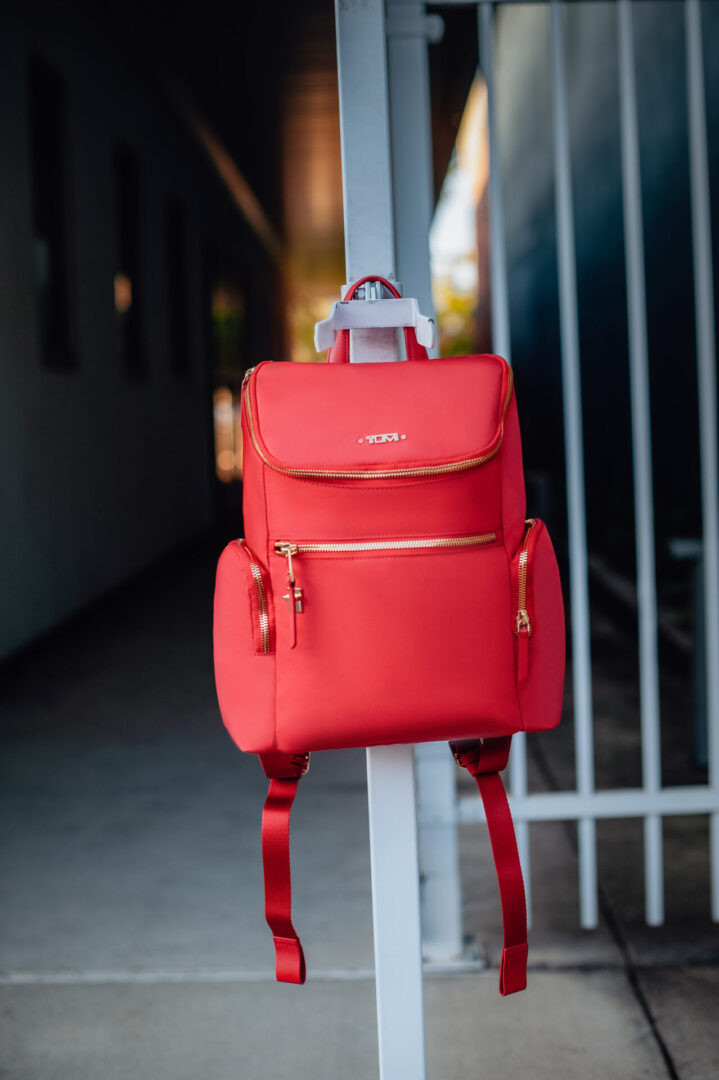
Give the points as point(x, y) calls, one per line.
point(389, 436)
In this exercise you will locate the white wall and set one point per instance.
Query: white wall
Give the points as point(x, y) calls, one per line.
point(99, 475)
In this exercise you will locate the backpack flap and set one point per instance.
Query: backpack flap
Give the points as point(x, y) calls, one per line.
point(391, 421)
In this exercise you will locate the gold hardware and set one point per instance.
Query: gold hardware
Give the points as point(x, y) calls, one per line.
point(288, 550)
point(382, 474)
point(294, 595)
point(299, 599)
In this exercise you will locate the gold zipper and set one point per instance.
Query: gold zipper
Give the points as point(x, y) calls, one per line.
point(288, 549)
point(380, 474)
point(523, 620)
point(264, 616)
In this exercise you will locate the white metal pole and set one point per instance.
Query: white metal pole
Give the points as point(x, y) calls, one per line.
point(642, 454)
point(502, 344)
point(365, 138)
point(706, 366)
point(441, 888)
point(408, 30)
point(395, 910)
point(369, 247)
point(576, 511)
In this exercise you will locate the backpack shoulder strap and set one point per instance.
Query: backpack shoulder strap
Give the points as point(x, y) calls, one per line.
point(284, 772)
point(484, 759)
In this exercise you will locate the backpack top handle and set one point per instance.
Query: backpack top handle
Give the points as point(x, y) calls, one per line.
point(409, 317)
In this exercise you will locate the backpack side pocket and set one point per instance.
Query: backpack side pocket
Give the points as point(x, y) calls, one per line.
point(244, 648)
point(538, 625)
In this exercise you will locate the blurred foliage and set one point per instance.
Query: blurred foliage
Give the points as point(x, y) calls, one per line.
point(456, 318)
point(306, 309)
point(228, 333)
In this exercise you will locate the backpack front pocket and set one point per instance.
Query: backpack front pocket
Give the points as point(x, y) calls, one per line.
point(244, 647)
point(408, 635)
point(537, 617)
point(290, 551)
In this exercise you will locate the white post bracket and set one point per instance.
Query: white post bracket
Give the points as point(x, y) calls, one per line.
point(374, 314)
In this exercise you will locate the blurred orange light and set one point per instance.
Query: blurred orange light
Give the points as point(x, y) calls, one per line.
point(123, 293)
point(228, 435)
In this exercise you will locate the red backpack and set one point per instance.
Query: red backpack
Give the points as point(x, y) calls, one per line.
point(388, 590)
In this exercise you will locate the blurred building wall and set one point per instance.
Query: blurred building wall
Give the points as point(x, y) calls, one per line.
point(103, 469)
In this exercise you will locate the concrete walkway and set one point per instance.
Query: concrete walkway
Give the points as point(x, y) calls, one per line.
point(132, 936)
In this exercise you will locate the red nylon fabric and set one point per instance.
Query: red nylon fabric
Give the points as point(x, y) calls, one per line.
point(284, 776)
point(484, 760)
point(290, 960)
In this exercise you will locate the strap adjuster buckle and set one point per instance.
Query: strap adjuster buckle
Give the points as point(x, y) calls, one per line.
point(467, 751)
point(482, 756)
point(279, 766)
point(301, 762)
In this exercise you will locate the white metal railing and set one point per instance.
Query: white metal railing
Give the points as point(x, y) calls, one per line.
point(651, 802)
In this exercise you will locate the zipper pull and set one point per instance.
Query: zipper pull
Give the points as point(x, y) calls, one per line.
point(524, 632)
point(294, 595)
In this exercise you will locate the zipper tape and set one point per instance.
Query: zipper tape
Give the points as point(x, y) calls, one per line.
point(288, 548)
point(523, 620)
point(261, 594)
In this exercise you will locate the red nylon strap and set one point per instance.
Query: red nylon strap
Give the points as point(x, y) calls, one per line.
point(484, 760)
point(340, 351)
point(284, 772)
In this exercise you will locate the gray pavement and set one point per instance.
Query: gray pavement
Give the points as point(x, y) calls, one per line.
point(132, 939)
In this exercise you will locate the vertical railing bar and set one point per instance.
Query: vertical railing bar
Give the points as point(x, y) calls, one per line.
point(576, 507)
point(706, 372)
point(501, 339)
point(518, 787)
point(501, 344)
point(642, 455)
